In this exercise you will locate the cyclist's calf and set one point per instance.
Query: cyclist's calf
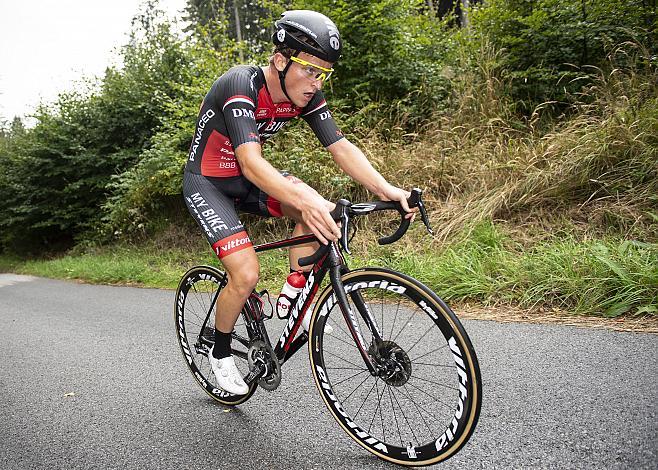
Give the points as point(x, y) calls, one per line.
point(243, 271)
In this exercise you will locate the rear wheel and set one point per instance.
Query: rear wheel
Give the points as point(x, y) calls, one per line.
point(423, 404)
point(194, 315)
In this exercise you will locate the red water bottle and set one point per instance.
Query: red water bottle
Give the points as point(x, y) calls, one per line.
point(289, 293)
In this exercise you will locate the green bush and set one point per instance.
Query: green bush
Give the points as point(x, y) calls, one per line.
point(58, 172)
point(551, 44)
point(393, 51)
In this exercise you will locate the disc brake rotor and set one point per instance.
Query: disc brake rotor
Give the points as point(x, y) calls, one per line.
point(394, 362)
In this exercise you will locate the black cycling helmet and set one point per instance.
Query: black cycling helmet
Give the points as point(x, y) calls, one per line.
point(320, 30)
point(323, 40)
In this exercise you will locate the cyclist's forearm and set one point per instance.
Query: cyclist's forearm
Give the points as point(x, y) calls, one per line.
point(261, 173)
point(353, 162)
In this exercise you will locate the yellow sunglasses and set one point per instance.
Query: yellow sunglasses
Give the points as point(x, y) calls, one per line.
point(313, 71)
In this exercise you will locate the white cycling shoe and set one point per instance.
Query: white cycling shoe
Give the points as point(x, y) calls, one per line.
point(228, 375)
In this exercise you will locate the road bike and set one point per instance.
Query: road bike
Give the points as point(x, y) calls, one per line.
point(398, 371)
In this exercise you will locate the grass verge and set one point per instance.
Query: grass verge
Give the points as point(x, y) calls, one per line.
point(606, 277)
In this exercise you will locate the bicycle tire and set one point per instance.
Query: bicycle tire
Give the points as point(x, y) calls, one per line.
point(194, 301)
point(431, 416)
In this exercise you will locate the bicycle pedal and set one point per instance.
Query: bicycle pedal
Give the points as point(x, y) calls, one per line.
point(254, 374)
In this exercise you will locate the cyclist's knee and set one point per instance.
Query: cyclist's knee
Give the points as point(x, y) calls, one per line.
point(243, 272)
point(249, 279)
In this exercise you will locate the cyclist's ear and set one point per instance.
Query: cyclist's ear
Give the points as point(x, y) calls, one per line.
point(280, 61)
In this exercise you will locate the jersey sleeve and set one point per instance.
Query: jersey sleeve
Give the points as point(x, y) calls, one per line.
point(236, 97)
point(318, 116)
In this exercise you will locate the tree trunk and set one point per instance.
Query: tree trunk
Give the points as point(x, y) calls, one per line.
point(463, 14)
point(238, 28)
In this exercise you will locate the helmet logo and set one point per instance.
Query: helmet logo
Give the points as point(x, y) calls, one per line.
point(333, 34)
point(281, 34)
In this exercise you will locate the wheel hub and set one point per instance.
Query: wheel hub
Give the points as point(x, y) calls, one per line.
point(393, 361)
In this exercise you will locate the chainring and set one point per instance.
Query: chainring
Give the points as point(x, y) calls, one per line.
point(259, 351)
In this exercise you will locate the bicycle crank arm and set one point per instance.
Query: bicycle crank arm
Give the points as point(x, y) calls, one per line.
point(254, 374)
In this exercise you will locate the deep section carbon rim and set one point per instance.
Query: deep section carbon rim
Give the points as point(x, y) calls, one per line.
point(424, 402)
point(195, 298)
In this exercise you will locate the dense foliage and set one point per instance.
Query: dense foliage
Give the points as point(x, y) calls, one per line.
point(552, 45)
point(105, 160)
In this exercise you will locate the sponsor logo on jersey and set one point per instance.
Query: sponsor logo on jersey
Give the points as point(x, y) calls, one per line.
point(199, 132)
point(285, 109)
point(238, 112)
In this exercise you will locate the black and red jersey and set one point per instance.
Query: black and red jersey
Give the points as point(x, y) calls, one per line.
point(239, 109)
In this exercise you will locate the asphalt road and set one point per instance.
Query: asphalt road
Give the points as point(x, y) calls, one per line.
point(92, 377)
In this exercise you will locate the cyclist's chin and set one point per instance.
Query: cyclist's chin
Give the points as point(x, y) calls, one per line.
point(301, 99)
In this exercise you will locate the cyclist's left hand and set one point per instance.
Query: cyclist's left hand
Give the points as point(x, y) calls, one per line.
point(391, 193)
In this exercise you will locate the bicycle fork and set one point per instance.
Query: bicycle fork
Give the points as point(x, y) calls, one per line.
point(351, 321)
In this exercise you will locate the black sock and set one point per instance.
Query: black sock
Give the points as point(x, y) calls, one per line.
point(222, 347)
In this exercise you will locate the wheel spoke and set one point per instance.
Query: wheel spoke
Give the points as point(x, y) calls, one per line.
point(343, 341)
point(341, 358)
point(348, 378)
point(427, 354)
point(397, 310)
point(432, 397)
point(366, 398)
point(448, 366)
point(404, 416)
point(397, 424)
point(416, 390)
point(354, 390)
point(420, 411)
point(435, 383)
point(432, 327)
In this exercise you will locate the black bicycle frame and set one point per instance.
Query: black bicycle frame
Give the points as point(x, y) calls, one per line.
point(333, 263)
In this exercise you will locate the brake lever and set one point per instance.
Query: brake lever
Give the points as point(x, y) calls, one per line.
point(343, 205)
point(423, 214)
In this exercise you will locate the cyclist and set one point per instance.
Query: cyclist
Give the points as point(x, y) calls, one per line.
point(226, 171)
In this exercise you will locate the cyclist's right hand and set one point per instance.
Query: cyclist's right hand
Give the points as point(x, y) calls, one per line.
point(315, 211)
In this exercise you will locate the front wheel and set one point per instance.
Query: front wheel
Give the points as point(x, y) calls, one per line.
point(423, 403)
point(194, 315)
